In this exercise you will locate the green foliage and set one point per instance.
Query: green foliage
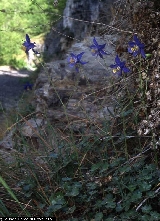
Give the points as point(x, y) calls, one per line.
point(3, 210)
point(13, 196)
point(17, 19)
point(64, 186)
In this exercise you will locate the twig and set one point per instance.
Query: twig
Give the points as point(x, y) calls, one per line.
point(139, 206)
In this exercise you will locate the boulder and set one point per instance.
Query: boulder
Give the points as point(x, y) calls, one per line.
point(70, 99)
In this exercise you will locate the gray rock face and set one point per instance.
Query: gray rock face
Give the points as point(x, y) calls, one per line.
point(79, 15)
point(76, 99)
point(76, 24)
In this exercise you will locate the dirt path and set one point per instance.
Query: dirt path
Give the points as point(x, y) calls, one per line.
point(11, 89)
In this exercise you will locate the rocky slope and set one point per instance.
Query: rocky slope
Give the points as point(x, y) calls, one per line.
point(68, 100)
point(60, 90)
point(71, 101)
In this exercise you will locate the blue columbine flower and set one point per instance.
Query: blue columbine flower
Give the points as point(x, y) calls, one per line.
point(29, 45)
point(75, 60)
point(136, 47)
point(28, 86)
point(119, 66)
point(97, 49)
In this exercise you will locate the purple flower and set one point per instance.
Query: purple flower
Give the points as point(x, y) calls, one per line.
point(97, 49)
point(119, 66)
point(28, 86)
point(29, 45)
point(136, 47)
point(75, 60)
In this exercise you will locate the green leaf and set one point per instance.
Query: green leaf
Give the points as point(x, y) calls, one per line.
point(146, 209)
point(98, 204)
point(73, 192)
point(108, 201)
point(92, 192)
point(98, 216)
point(144, 186)
point(151, 194)
point(118, 161)
point(56, 204)
point(3, 210)
point(5, 185)
point(124, 169)
point(136, 195)
point(127, 206)
point(104, 167)
point(131, 187)
point(119, 208)
point(66, 179)
point(111, 205)
point(145, 218)
point(96, 167)
point(58, 200)
point(91, 186)
point(155, 216)
point(148, 55)
point(71, 210)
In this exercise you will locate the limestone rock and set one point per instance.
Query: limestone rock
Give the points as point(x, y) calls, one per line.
point(31, 128)
point(7, 148)
point(70, 98)
point(7, 143)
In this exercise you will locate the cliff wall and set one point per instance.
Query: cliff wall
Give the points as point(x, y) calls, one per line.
point(76, 24)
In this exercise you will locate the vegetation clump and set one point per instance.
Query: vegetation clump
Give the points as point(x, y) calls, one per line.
point(17, 19)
